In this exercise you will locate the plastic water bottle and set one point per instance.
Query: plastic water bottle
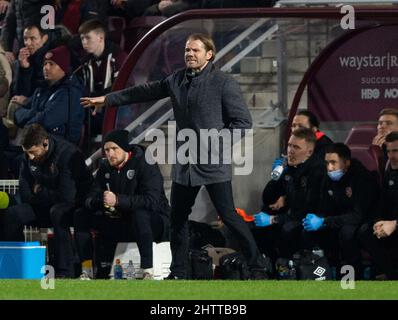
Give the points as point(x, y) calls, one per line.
point(130, 271)
point(278, 170)
point(292, 271)
point(118, 270)
point(319, 252)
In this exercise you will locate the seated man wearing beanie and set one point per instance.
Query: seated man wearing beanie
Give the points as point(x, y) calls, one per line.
point(127, 203)
point(56, 104)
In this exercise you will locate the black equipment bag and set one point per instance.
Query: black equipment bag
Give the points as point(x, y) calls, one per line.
point(233, 266)
point(201, 265)
point(311, 266)
point(202, 234)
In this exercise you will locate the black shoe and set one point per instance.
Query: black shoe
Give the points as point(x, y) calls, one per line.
point(173, 277)
point(258, 274)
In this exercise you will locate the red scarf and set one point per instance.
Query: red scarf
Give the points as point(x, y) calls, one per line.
point(319, 134)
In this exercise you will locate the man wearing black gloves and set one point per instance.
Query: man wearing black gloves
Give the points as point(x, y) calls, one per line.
point(380, 238)
point(348, 197)
point(127, 203)
point(299, 186)
point(52, 183)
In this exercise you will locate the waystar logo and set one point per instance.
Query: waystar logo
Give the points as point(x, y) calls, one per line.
point(319, 272)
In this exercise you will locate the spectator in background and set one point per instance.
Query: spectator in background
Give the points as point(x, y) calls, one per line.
point(211, 4)
point(29, 71)
point(168, 8)
point(4, 4)
point(72, 13)
point(55, 105)
point(53, 181)
point(380, 237)
point(348, 197)
point(129, 9)
point(20, 13)
point(5, 82)
point(101, 66)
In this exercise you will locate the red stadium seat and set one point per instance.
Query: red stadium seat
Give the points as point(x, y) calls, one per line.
point(361, 134)
point(371, 157)
point(115, 27)
point(137, 28)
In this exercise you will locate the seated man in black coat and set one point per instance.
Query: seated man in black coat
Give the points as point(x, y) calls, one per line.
point(380, 237)
point(348, 197)
point(127, 203)
point(52, 183)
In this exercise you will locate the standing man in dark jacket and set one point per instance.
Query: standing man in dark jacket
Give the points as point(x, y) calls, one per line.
point(348, 197)
point(380, 236)
point(298, 187)
point(52, 183)
point(202, 98)
point(55, 105)
point(127, 203)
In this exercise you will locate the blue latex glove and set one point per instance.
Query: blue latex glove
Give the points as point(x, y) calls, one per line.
point(262, 219)
point(277, 162)
point(312, 222)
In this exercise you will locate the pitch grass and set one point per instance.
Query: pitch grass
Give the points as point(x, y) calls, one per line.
point(196, 290)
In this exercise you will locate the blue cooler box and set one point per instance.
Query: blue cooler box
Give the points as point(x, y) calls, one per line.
point(21, 260)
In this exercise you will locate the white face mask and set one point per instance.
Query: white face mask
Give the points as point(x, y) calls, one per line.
point(336, 175)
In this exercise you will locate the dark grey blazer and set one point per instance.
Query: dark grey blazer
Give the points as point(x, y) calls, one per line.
point(212, 100)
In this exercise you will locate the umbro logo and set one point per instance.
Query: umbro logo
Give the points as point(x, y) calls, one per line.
point(319, 272)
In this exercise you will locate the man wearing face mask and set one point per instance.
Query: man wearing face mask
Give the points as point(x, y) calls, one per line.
point(299, 185)
point(348, 196)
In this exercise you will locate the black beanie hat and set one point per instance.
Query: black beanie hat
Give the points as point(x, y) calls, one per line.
point(120, 137)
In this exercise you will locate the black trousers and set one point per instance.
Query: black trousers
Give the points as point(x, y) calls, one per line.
point(58, 216)
point(182, 200)
point(141, 226)
point(278, 240)
point(383, 251)
point(336, 243)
